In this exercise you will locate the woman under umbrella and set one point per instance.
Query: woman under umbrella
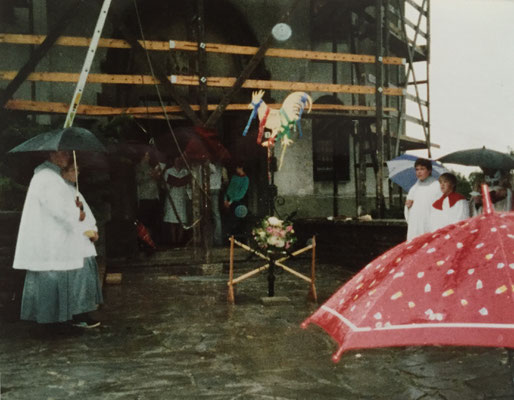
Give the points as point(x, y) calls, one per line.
point(86, 286)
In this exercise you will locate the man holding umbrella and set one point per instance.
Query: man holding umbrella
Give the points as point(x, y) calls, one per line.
point(47, 246)
point(420, 198)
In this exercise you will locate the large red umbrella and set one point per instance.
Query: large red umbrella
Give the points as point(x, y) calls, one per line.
point(454, 286)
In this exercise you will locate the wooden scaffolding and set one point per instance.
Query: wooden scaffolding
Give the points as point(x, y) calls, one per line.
point(399, 30)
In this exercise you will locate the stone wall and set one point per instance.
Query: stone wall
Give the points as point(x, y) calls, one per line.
point(351, 244)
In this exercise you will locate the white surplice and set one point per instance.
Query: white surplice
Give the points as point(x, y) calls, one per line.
point(423, 194)
point(453, 210)
point(46, 237)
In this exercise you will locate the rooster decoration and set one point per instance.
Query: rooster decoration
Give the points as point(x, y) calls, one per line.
point(279, 122)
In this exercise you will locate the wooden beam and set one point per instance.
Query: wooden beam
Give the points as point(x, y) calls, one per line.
point(379, 102)
point(153, 45)
point(39, 52)
point(70, 77)
point(288, 85)
point(84, 109)
point(192, 80)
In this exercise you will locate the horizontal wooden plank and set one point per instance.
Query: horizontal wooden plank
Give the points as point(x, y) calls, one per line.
point(191, 80)
point(80, 41)
point(84, 109)
point(193, 46)
point(69, 77)
point(292, 86)
point(347, 107)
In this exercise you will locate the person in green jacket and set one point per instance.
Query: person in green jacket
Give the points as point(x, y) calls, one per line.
point(237, 187)
point(233, 200)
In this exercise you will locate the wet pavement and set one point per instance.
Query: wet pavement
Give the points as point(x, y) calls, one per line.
point(170, 336)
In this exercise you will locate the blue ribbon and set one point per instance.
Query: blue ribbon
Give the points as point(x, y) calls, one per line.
point(252, 116)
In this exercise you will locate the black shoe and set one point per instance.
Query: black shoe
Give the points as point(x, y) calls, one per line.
point(59, 329)
point(84, 321)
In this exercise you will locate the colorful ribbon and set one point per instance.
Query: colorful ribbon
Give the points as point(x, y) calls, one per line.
point(262, 124)
point(252, 116)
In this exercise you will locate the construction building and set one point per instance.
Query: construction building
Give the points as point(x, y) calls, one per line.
point(174, 65)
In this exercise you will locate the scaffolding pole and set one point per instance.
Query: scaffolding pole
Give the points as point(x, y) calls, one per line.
point(379, 82)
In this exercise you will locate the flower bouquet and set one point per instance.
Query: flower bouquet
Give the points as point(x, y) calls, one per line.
point(274, 235)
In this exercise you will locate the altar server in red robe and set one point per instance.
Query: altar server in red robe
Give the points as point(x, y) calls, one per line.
point(451, 207)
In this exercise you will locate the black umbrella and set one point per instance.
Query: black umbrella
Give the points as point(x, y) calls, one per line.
point(483, 158)
point(64, 139)
point(24, 157)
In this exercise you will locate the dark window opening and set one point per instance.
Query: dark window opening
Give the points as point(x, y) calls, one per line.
point(331, 147)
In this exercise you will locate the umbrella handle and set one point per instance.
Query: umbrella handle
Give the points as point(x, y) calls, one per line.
point(487, 204)
point(76, 174)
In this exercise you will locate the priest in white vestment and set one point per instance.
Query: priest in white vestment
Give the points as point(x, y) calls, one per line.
point(49, 248)
point(420, 198)
point(45, 237)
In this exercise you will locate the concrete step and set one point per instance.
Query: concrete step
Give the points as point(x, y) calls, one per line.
point(177, 256)
point(177, 263)
point(146, 271)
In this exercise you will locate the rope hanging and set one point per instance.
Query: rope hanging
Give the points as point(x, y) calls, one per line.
point(167, 119)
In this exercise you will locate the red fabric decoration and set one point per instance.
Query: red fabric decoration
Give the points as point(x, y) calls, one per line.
point(452, 198)
point(144, 235)
point(262, 123)
point(216, 150)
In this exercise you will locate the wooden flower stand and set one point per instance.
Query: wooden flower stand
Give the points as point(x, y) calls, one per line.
point(272, 262)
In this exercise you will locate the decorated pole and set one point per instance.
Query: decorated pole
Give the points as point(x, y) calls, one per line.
point(72, 111)
point(271, 276)
point(280, 124)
